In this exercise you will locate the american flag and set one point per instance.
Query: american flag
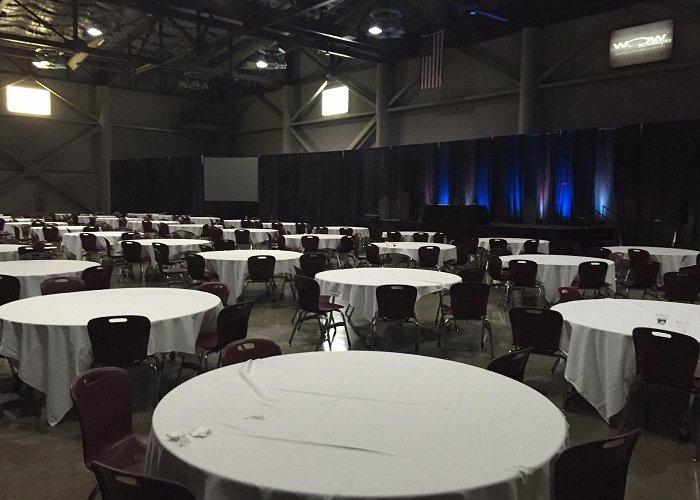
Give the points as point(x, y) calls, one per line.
point(431, 60)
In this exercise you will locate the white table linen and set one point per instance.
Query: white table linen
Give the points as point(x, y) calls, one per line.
point(175, 246)
point(203, 219)
point(232, 265)
point(232, 223)
point(48, 335)
point(597, 337)
point(143, 215)
point(515, 245)
point(348, 425)
point(39, 230)
point(359, 286)
point(9, 252)
point(289, 227)
point(108, 219)
point(670, 259)
point(71, 241)
point(325, 241)
point(555, 271)
point(32, 272)
point(364, 232)
point(193, 228)
point(410, 248)
point(257, 236)
point(408, 235)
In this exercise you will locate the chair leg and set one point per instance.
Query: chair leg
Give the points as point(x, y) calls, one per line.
point(487, 325)
point(625, 409)
point(418, 339)
point(93, 493)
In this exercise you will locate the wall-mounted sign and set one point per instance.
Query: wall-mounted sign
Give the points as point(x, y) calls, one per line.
point(641, 44)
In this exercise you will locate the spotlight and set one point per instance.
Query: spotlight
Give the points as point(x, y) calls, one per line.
point(94, 31)
point(261, 63)
point(271, 59)
point(386, 23)
point(375, 30)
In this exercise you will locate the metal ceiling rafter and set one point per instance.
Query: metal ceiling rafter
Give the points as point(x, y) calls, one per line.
point(38, 19)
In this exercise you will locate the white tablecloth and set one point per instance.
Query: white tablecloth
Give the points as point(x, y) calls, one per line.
point(364, 232)
point(109, 219)
point(48, 335)
point(71, 241)
point(410, 248)
point(670, 259)
point(234, 223)
point(155, 216)
point(203, 219)
point(32, 272)
point(555, 271)
point(325, 241)
point(515, 245)
point(175, 246)
point(257, 236)
point(9, 252)
point(359, 286)
point(39, 230)
point(232, 265)
point(597, 337)
point(289, 227)
point(408, 235)
point(349, 425)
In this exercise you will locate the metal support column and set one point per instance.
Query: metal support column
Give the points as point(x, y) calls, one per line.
point(104, 156)
point(528, 119)
point(290, 104)
point(382, 138)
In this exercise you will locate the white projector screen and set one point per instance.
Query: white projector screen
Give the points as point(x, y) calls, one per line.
point(230, 179)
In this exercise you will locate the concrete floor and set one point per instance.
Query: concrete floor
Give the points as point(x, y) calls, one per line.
point(38, 461)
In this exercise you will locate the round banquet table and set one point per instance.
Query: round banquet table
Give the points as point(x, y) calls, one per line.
point(597, 337)
point(555, 271)
point(670, 259)
point(39, 230)
point(155, 216)
point(364, 232)
point(232, 265)
point(48, 335)
point(515, 245)
point(279, 430)
point(408, 235)
point(232, 223)
point(175, 246)
point(203, 220)
point(289, 227)
point(71, 241)
point(109, 219)
point(257, 236)
point(9, 252)
point(32, 272)
point(410, 248)
point(137, 225)
point(193, 228)
point(358, 286)
point(325, 241)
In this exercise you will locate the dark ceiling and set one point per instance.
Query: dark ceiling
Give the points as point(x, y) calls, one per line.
point(152, 44)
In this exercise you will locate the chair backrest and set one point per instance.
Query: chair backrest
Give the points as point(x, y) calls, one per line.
point(216, 233)
point(25, 249)
point(312, 263)
point(511, 365)
point(598, 252)
point(665, 357)
point(308, 292)
point(97, 277)
point(61, 284)
point(147, 226)
point(439, 237)
point(89, 242)
point(9, 288)
point(372, 254)
point(310, 243)
point(681, 287)
point(162, 253)
point(116, 484)
point(119, 340)
point(568, 294)
point(221, 290)
point(300, 227)
point(277, 226)
point(497, 244)
point(242, 236)
point(637, 256)
point(531, 246)
point(36, 255)
point(421, 237)
point(91, 229)
point(184, 235)
point(185, 219)
point(469, 300)
point(536, 328)
point(131, 251)
point(522, 272)
point(51, 234)
point(472, 275)
point(591, 274)
point(645, 274)
point(396, 302)
point(128, 235)
point(206, 248)
point(594, 470)
point(261, 267)
point(345, 231)
point(695, 269)
point(321, 230)
point(122, 222)
point(102, 398)
point(495, 267)
point(247, 349)
point(346, 244)
point(393, 236)
point(281, 242)
point(232, 323)
point(428, 256)
point(224, 245)
point(163, 230)
point(195, 266)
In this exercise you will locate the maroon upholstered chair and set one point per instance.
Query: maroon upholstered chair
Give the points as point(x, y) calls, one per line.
point(309, 243)
point(261, 269)
point(61, 284)
point(247, 349)
point(511, 365)
point(468, 301)
point(568, 294)
point(539, 329)
point(591, 276)
point(197, 269)
point(311, 307)
point(221, 290)
point(97, 277)
point(117, 484)
point(681, 287)
point(396, 303)
point(428, 257)
point(421, 237)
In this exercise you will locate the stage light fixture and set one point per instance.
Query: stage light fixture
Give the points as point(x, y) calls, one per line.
point(386, 23)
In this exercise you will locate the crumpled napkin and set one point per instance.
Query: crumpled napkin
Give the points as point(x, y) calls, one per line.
point(181, 437)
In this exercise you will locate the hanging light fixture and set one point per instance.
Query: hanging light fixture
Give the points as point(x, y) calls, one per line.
point(386, 23)
point(271, 59)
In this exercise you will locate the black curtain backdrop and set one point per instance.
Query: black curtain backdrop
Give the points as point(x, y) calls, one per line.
point(171, 185)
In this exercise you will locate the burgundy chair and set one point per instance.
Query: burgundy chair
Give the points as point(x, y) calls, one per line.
point(644, 276)
point(163, 230)
point(345, 249)
point(147, 226)
point(51, 234)
point(300, 227)
point(309, 243)
point(439, 237)
point(694, 269)
point(421, 237)
point(468, 301)
point(97, 277)
point(36, 255)
point(393, 236)
point(396, 303)
point(133, 254)
point(598, 252)
point(464, 253)
point(511, 365)
point(345, 231)
point(261, 269)
point(498, 276)
point(89, 242)
point(221, 290)
point(312, 264)
point(321, 230)
point(166, 267)
point(531, 246)
point(243, 237)
point(61, 284)
point(428, 257)
point(568, 294)
point(681, 287)
point(102, 398)
point(498, 245)
point(539, 329)
point(216, 233)
point(248, 349)
point(117, 484)
point(9, 292)
point(591, 276)
point(311, 307)
point(473, 275)
point(197, 269)
point(594, 470)
point(523, 274)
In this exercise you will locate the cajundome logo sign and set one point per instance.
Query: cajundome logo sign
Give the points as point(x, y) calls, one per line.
point(641, 44)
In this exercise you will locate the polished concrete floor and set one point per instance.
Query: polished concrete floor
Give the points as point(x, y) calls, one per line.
point(38, 461)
